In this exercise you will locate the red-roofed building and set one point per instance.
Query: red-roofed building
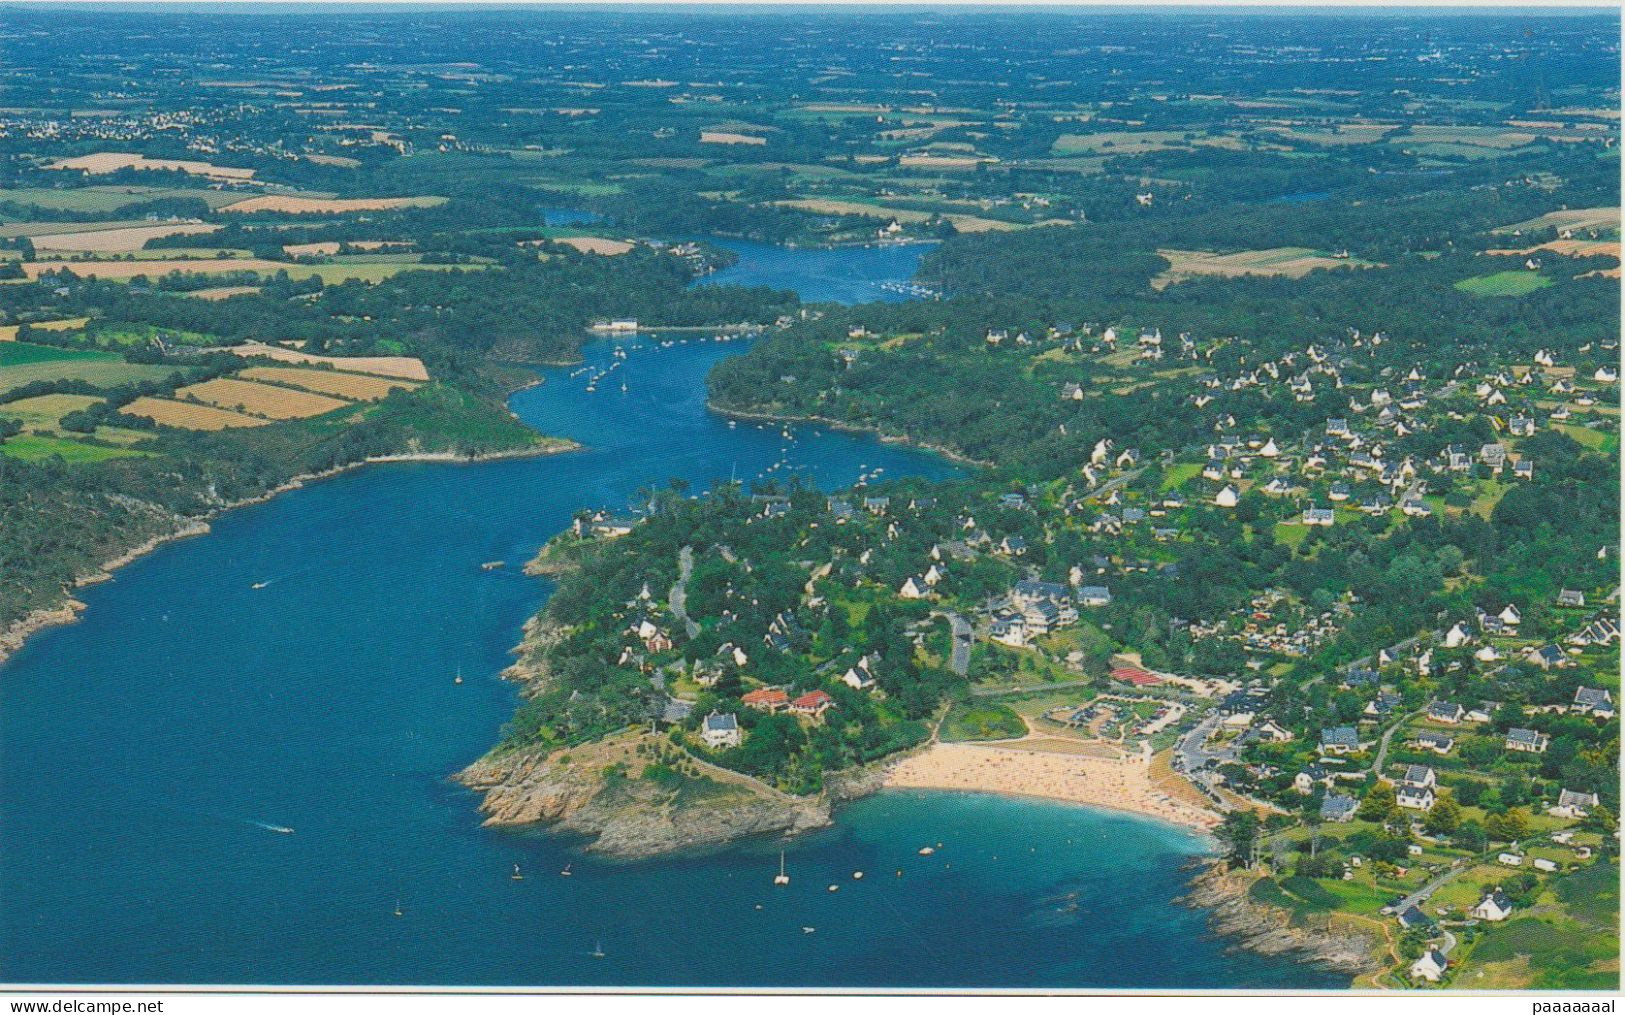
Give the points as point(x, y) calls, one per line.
point(766, 699)
point(1136, 676)
point(812, 703)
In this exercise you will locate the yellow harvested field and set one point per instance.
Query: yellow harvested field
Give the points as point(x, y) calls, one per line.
point(222, 292)
point(596, 245)
point(329, 205)
point(943, 161)
point(331, 247)
point(112, 162)
point(153, 269)
point(1569, 218)
point(8, 333)
point(186, 416)
point(1288, 262)
point(1567, 248)
point(46, 411)
point(261, 399)
point(357, 387)
point(728, 137)
point(119, 241)
point(406, 367)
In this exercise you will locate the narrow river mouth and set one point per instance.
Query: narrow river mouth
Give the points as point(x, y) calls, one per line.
point(153, 755)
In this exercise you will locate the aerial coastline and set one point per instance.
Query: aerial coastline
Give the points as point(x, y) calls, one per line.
point(17, 634)
point(1191, 505)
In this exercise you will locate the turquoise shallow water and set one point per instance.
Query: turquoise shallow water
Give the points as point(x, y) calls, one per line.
point(145, 751)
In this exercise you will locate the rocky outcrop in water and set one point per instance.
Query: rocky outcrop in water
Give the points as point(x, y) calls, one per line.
point(1271, 931)
point(596, 794)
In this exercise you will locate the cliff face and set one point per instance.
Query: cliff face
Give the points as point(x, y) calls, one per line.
point(622, 814)
point(1270, 931)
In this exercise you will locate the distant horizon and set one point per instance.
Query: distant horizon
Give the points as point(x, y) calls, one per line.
point(1561, 8)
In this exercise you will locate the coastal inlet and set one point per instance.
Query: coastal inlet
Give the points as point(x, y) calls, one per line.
point(155, 751)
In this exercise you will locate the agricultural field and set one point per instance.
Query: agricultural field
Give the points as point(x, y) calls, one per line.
point(730, 138)
point(108, 198)
point(187, 416)
point(332, 247)
point(111, 162)
point(1287, 262)
point(1606, 219)
point(356, 387)
point(223, 292)
point(596, 245)
point(32, 229)
point(123, 270)
point(23, 363)
point(120, 240)
point(266, 400)
point(36, 447)
point(8, 333)
point(45, 412)
point(1120, 142)
point(205, 262)
point(285, 205)
point(404, 367)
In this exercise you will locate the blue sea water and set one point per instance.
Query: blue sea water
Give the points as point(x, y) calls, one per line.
point(822, 274)
point(150, 752)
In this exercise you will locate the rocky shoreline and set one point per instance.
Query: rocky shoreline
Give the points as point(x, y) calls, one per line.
point(1269, 931)
point(835, 424)
point(13, 637)
point(629, 817)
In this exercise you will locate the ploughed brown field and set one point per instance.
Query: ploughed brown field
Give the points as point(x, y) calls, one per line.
point(118, 241)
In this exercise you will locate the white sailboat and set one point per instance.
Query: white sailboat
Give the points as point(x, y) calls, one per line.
point(783, 878)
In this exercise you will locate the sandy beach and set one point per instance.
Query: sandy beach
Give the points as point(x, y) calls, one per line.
point(1099, 782)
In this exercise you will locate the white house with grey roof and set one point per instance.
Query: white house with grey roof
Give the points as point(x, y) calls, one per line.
point(720, 729)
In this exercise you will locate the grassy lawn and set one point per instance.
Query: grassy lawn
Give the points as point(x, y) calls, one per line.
point(1290, 533)
point(1592, 439)
point(34, 448)
point(982, 721)
point(1180, 474)
point(1504, 283)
